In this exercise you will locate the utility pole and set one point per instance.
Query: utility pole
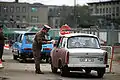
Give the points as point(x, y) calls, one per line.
point(75, 14)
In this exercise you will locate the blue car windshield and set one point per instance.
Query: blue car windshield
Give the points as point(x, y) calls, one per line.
point(29, 38)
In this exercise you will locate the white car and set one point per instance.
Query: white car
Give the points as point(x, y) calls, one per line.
point(76, 52)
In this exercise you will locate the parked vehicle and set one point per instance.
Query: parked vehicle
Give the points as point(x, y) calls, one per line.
point(22, 48)
point(76, 52)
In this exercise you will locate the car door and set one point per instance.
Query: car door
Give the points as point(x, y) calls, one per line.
point(18, 43)
point(59, 51)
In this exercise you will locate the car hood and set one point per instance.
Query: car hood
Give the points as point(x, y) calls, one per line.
point(85, 50)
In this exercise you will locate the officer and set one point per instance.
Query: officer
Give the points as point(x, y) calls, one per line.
point(37, 46)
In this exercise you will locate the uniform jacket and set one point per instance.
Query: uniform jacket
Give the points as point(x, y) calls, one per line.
point(2, 38)
point(39, 38)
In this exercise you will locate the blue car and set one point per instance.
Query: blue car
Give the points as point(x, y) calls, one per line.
point(22, 48)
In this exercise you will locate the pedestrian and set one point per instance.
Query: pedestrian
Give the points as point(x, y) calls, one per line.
point(2, 38)
point(37, 46)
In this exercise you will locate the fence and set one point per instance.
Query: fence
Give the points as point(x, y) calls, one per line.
point(113, 54)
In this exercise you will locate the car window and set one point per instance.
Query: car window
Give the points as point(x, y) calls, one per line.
point(19, 39)
point(60, 43)
point(64, 42)
point(83, 41)
point(29, 38)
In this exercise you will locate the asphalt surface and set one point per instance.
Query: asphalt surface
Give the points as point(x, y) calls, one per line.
point(13, 70)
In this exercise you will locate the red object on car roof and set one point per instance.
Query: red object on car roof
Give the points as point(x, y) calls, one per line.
point(65, 29)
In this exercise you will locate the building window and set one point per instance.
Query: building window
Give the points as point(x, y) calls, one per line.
point(109, 3)
point(17, 9)
point(109, 10)
point(117, 2)
point(12, 9)
point(103, 10)
point(91, 11)
point(106, 10)
point(100, 10)
point(50, 10)
point(33, 9)
point(24, 17)
point(117, 9)
point(5, 9)
point(34, 18)
point(17, 18)
point(109, 16)
point(56, 21)
point(24, 9)
point(0, 8)
point(113, 3)
point(96, 11)
point(113, 10)
point(113, 14)
point(5, 17)
point(117, 14)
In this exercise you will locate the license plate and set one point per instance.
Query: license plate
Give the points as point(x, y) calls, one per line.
point(86, 60)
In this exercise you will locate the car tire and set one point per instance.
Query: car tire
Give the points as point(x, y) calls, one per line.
point(64, 71)
point(22, 60)
point(54, 69)
point(47, 59)
point(101, 72)
point(15, 57)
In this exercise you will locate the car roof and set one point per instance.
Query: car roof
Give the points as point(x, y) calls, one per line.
point(78, 34)
point(30, 33)
point(20, 32)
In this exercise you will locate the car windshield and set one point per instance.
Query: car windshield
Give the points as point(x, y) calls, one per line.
point(29, 38)
point(83, 42)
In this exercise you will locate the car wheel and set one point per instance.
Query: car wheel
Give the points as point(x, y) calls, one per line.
point(22, 60)
point(54, 70)
point(47, 59)
point(64, 71)
point(50, 61)
point(15, 57)
point(101, 72)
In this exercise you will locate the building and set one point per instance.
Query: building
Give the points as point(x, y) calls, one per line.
point(107, 9)
point(54, 16)
point(57, 15)
point(15, 14)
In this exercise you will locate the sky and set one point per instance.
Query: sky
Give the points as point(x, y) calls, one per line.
point(57, 2)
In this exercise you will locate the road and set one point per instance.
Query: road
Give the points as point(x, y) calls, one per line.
point(13, 70)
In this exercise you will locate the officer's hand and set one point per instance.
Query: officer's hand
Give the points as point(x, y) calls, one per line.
point(48, 42)
point(44, 42)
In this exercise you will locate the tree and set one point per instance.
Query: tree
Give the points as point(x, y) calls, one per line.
point(81, 14)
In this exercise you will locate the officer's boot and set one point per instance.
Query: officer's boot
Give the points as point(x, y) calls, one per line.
point(39, 72)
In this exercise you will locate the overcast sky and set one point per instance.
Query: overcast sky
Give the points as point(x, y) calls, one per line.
point(57, 2)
